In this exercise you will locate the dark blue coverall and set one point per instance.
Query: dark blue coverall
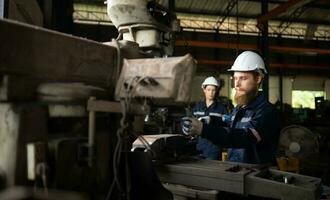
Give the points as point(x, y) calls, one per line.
point(216, 110)
point(259, 115)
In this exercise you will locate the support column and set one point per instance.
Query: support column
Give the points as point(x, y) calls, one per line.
point(265, 48)
point(4, 8)
point(327, 89)
point(287, 90)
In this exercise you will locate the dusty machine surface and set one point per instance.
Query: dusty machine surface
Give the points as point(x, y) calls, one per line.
point(241, 179)
point(71, 109)
point(164, 147)
point(191, 177)
point(164, 79)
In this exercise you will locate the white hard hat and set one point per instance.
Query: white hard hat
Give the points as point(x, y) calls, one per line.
point(210, 81)
point(248, 61)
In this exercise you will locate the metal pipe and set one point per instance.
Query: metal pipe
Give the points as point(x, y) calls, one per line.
point(91, 134)
point(281, 90)
point(6, 9)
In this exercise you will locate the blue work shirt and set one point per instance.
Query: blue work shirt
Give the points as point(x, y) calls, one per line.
point(216, 110)
point(246, 145)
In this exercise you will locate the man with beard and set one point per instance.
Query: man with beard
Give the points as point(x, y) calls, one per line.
point(254, 128)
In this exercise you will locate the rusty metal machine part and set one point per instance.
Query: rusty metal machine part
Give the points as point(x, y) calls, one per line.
point(161, 79)
point(145, 22)
point(164, 147)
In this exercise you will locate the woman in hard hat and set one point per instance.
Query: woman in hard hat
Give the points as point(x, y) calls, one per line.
point(253, 133)
point(209, 108)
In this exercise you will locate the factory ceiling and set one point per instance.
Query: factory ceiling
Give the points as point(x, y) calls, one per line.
point(299, 30)
point(303, 19)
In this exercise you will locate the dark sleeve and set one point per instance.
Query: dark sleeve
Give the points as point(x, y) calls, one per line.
point(265, 122)
point(228, 137)
point(224, 109)
point(194, 109)
point(216, 120)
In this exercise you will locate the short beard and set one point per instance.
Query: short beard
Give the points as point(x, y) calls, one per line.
point(246, 98)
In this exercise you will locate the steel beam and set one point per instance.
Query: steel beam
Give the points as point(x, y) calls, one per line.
point(181, 11)
point(224, 45)
point(293, 16)
point(276, 11)
point(229, 8)
point(49, 55)
point(228, 63)
point(210, 44)
point(265, 48)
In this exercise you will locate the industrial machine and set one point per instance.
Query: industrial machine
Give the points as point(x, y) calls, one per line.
point(71, 109)
point(240, 179)
point(190, 177)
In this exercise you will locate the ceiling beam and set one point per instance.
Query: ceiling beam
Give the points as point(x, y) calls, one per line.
point(224, 45)
point(245, 16)
point(270, 1)
point(293, 16)
point(227, 63)
point(277, 11)
point(229, 8)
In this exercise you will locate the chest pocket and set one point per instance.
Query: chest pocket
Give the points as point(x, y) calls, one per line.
point(243, 118)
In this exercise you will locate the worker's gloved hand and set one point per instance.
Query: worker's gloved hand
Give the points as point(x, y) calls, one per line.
point(191, 126)
point(205, 119)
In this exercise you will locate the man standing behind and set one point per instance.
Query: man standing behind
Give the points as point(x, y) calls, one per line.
point(254, 129)
point(209, 108)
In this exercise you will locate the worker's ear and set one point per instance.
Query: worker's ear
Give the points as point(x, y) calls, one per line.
point(259, 78)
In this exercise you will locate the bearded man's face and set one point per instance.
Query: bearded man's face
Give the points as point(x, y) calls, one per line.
point(246, 86)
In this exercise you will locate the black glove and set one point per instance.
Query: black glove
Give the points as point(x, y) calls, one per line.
point(191, 126)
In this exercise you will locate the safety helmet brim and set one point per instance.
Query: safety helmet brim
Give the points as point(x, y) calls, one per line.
point(249, 61)
point(210, 81)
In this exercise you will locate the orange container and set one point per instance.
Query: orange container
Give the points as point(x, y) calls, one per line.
point(288, 164)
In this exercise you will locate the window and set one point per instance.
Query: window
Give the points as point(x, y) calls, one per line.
point(305, 99)
point(232, 96)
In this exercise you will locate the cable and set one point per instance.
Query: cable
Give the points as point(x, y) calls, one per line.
point(118, 61)
point(121, 133)
point(41, 170)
